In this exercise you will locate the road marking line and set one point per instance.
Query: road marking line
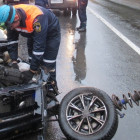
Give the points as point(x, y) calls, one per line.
point(125, 39)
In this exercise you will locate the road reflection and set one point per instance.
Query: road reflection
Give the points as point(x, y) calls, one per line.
point(79, 60)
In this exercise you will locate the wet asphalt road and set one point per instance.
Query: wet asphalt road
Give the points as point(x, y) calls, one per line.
point(99, 58)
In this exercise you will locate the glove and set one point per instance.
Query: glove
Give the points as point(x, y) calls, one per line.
point(27, 76)
point(15, 66)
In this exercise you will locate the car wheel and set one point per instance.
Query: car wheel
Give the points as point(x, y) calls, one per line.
point(67, 12)
point(74, 11)
point(88, 114)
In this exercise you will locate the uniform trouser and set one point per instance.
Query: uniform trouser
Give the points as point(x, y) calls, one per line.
point(50, 54)
point(82, 4)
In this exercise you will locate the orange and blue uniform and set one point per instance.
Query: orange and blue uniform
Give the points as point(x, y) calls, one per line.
point(42, 29)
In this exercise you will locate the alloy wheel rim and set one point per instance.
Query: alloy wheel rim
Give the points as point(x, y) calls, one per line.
point(86, 114)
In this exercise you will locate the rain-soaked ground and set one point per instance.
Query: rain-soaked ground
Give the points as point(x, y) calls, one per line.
point(99, 58)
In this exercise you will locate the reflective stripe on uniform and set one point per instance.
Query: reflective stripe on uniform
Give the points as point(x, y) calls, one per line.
point(23, 30)
point(49, 61)
point(8, 43)
point(38, 53)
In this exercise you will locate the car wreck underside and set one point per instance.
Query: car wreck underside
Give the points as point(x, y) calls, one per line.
point(17, 111)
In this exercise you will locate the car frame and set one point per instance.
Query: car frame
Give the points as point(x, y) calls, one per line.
point(67, 6)
point(12, 2)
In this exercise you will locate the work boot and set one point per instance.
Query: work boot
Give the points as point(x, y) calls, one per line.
point(77, 28)
point(82, 29)
point(51, 96)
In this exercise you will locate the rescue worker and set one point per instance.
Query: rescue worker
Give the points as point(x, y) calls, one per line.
point(82, 5)
point(42, 29)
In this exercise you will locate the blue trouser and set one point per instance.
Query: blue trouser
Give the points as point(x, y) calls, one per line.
point(50, 53)
point(41, 3)
point(82, 4)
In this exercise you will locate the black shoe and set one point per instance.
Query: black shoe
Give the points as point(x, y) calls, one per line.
point(77, 28)
point(51, 95)
point(82, 29)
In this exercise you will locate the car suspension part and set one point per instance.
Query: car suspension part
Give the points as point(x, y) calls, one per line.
point(121, 104)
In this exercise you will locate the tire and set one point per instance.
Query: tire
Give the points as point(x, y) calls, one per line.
point(74, 11)
point(100, 115)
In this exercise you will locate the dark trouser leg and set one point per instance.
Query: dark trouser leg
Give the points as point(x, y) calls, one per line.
point(50, 55)
point(49, 62)
point(82, 12)
point(30, 48)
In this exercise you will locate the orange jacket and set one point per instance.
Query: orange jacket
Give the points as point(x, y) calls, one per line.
point(31, 12)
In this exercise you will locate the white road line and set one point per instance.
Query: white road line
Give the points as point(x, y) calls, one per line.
point(125, 39)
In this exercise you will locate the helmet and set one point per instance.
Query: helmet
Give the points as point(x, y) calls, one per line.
point(7, 14)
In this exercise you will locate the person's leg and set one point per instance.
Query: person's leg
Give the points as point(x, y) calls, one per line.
point(79, 14)
point(82, 14)
point(30, 47)
point(50, 55)
point(49, 64)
